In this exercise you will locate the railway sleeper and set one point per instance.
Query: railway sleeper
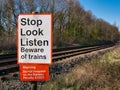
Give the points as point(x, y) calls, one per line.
point(4, 78)
point(7, 63)
point(14, 75)
point(8, 70)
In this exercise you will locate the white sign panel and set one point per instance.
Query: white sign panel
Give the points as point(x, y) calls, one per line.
point(34, 38)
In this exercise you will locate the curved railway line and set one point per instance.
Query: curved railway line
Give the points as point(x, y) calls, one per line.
point(8, 63)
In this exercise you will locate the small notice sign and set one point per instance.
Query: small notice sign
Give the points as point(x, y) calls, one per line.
point(34, 37)
point(34, 72)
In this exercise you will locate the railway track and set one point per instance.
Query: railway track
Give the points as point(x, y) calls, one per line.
point(8, 63)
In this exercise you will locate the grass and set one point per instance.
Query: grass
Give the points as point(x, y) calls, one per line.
point(4, 52)
point(7, 45)
point(97, 74)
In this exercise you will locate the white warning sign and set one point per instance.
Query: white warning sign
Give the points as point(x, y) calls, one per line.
point(34, 38)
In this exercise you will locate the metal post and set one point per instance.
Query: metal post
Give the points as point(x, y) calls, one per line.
point(34, 85)
point(0, 84)
point(35, 82)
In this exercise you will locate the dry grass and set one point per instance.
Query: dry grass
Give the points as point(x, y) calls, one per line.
point(97, 74)
point(7, 45)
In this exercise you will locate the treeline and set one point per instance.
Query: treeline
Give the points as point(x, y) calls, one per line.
point(71, 23)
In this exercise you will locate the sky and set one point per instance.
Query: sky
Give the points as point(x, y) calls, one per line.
point(108, 10)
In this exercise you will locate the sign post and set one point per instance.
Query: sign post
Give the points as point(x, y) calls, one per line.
point(34, 46)
point(34, 85)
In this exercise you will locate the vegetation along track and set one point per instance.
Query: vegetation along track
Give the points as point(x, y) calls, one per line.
point(8, 63)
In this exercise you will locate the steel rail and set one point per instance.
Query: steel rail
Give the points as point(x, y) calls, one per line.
point(8, 63)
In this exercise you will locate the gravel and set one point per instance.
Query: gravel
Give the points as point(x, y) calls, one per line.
point(13, 82)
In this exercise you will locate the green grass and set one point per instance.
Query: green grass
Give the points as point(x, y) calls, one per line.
point(3, 52)
point(97, 74)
